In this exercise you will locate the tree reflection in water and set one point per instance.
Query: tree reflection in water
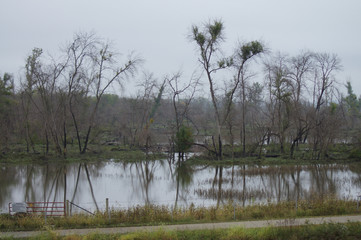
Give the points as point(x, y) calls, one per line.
point(145, 174)
point(174, 183)
point(85, 166)
point(248, 184)
point(184, 177)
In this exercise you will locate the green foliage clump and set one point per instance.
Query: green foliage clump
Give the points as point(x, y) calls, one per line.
point(250, 49)
point(6, 88)
point(184, 139)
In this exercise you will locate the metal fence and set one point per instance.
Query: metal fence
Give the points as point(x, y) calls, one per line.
point(51, 209)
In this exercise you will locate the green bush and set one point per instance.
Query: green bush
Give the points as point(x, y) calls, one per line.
point(184, 139)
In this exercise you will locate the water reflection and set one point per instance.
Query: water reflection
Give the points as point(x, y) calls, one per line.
point(246, 185)
point(144, 174)
point(85, 167)
point(173, 183)
point(183, 177)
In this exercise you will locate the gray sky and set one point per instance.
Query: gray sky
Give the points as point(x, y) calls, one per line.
point(158, 29)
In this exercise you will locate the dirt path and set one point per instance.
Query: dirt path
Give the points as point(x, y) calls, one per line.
point(248, 224)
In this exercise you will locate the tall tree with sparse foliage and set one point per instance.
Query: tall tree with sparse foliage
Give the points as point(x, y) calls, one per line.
point(208, 40)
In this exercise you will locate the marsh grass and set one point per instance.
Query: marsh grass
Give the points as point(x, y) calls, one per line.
point(158, 215)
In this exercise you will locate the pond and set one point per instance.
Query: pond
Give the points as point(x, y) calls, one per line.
point(162, 182)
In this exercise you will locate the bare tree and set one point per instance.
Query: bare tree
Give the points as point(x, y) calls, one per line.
point(325, 65)
point(40, 92)
point(140, 112)
point(300, 68)
point(78, 60)
point(181, 97)
point(323, 88)
point(258, 121)
point(279, 93)
point(244, 53)
point(107, 70)
point(93, 68)
point(32, 67)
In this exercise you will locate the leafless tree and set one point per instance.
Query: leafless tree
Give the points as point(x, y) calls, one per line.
point(243, 54)
point(300, 68)
point(93, 67)
point(181, 97)
point(279, 83)
point(323, 89)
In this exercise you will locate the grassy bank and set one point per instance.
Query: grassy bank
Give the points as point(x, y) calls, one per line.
point(160, 215)
point(95, 153)
point(320, 232)
point(339, 153)
point(271, 155)
point(265, 161)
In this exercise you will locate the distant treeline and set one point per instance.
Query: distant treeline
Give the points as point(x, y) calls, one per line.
point(65, 103)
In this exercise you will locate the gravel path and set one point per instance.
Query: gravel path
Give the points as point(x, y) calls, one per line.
point(246, 224)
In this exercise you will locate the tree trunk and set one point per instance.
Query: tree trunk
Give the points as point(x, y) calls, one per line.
point(86, 140)
point(64, 141)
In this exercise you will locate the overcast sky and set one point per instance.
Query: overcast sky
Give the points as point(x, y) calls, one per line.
point(158, 29)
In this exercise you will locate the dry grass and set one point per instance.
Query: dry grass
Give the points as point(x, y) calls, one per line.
point(156, 215)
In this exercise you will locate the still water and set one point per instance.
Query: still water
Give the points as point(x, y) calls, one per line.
point(165, 183)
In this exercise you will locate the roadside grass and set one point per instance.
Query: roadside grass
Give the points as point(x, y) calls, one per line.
point(161, 215)
point(351, 230)
point(323, 231)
